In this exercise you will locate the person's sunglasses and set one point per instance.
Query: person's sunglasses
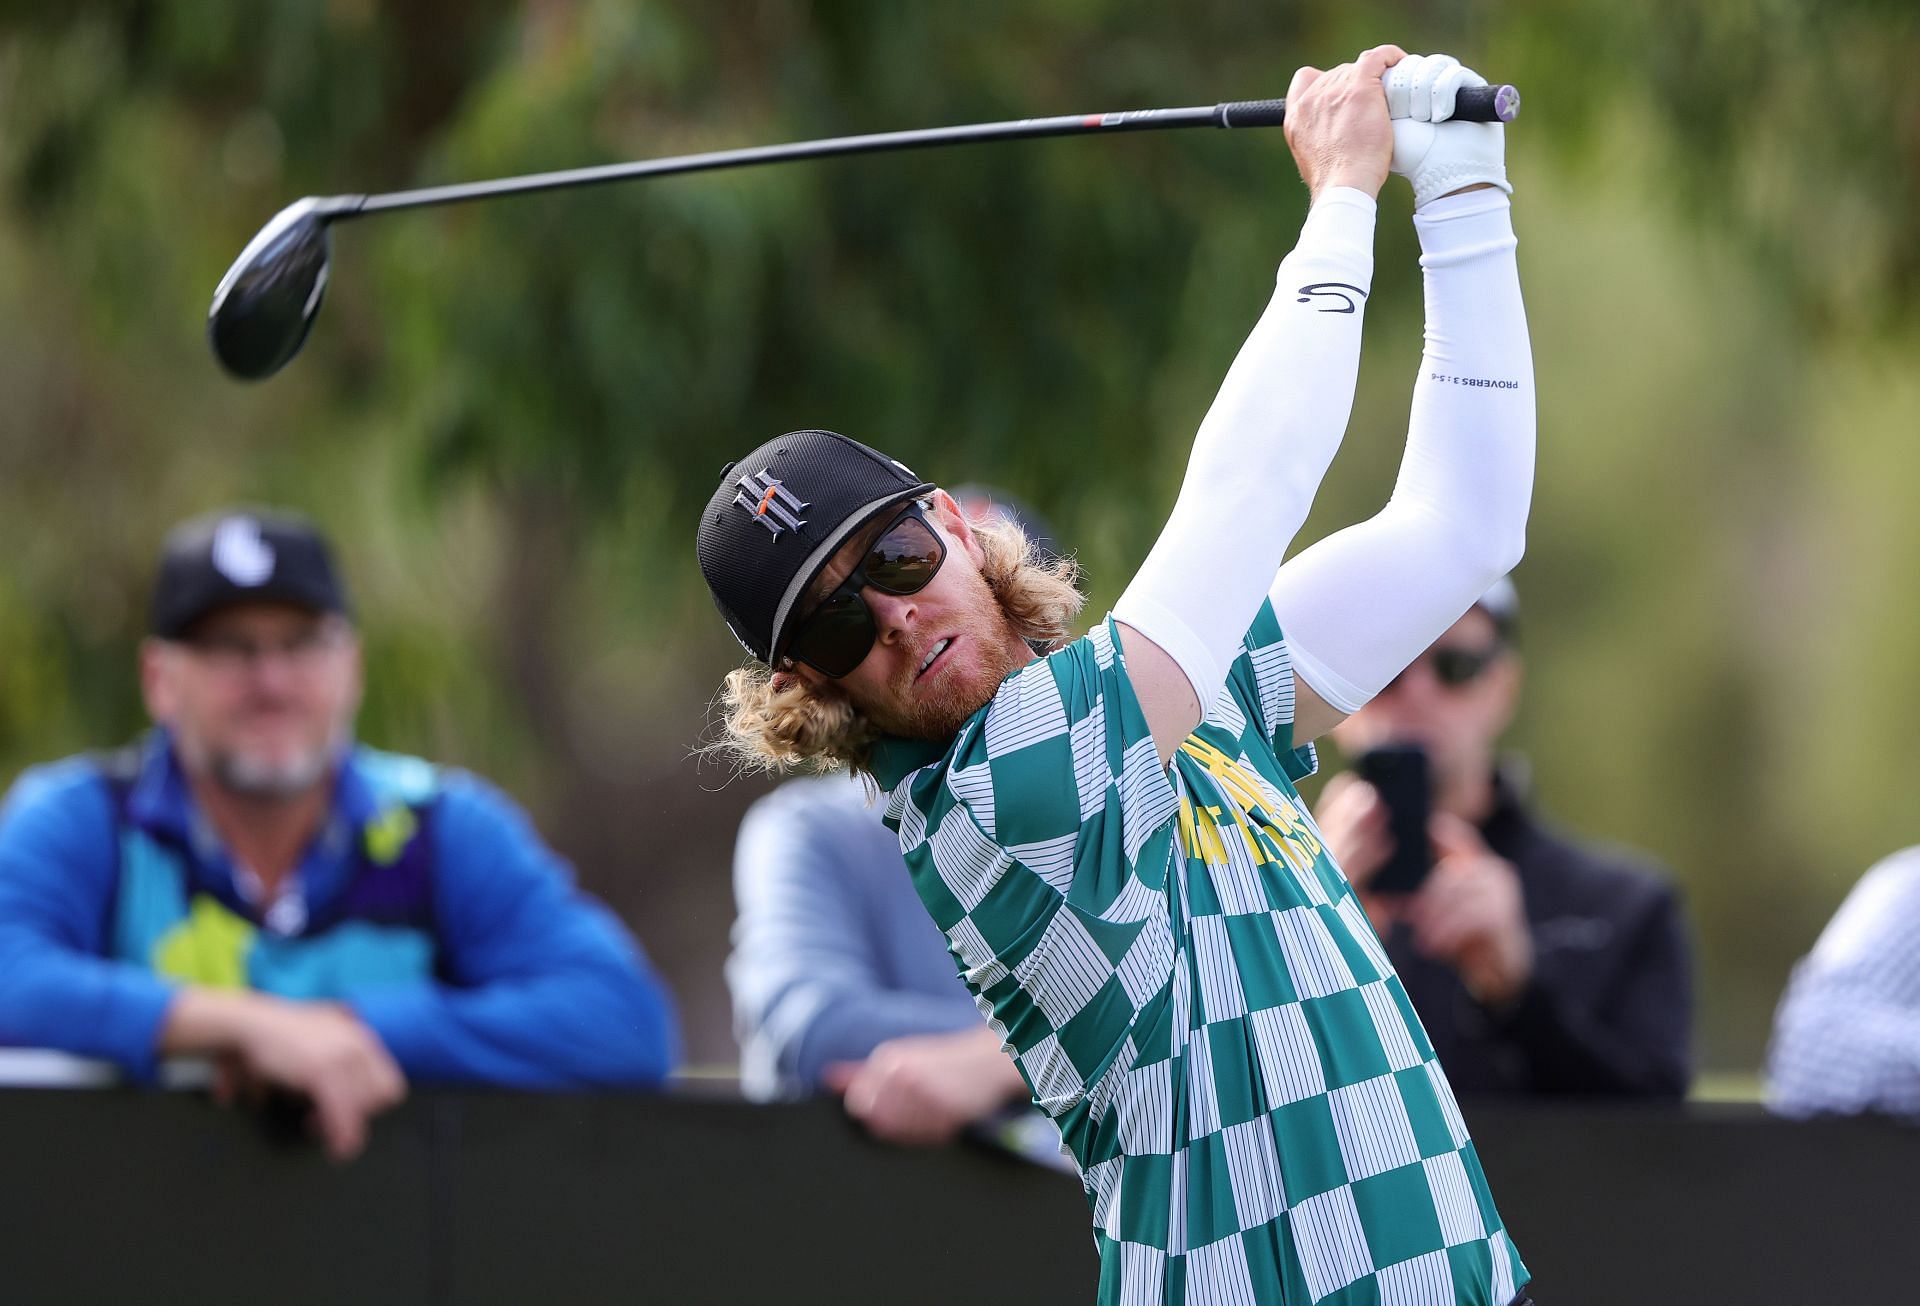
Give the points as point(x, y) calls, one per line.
point(904, 558)
point(231, 653)
point(1456, 667)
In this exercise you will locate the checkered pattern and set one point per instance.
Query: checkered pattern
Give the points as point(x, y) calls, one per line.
point(1190, 988)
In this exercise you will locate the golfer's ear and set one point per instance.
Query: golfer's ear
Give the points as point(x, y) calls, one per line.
point(955, 523)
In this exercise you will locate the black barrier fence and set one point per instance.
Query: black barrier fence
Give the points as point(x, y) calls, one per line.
point(495, 1198)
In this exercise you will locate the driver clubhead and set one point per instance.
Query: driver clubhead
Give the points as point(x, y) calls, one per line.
point(265, 305)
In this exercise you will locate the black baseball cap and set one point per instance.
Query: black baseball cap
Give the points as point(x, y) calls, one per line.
point(778, 516)
point(1502, 603)
point(242, 555)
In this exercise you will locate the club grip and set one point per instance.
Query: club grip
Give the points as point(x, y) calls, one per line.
point(1250, 113)
point(1470, 104)
point(1488, 103)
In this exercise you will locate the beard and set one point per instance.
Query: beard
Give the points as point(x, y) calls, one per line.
point(262, 778)
point(270, 778)
point(937, 711)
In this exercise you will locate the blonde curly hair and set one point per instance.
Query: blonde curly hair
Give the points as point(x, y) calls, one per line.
point(777, 722)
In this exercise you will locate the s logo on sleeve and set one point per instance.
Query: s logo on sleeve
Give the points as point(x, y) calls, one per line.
point(1331, 290)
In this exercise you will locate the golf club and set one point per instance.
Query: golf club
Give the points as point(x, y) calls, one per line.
point(266, 303)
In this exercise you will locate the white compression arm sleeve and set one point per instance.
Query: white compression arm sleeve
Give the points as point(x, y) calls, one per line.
point(1261, 451)
point(1363, 603)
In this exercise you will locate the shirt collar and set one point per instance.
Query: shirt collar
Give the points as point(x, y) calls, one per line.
point(894, 759)
point(354, 801)
point(1508, 819)
point(161, 802)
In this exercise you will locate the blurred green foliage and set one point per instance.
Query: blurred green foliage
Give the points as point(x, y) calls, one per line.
point(509, 413)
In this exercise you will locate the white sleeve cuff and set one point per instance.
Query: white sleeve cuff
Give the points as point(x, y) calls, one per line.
point(1171, 634)
point(1335, 690)
point(1347, 195)
point(1461, 228)
point(1340, 222)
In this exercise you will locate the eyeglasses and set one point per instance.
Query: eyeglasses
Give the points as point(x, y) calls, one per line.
point(230, 654)
point(904, 558)
point(1455, 667)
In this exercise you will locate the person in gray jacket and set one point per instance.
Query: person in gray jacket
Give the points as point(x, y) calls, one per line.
point(1846, 1040)
point(840, 980)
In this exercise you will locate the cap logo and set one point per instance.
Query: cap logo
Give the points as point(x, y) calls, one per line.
point(770, 503)
point(240, 554)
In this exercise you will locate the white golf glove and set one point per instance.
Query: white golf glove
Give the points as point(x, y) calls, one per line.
point(1438, 156)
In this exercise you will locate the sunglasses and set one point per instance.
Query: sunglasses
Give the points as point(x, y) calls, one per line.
point(838, 634)
point(1456, 667)
point(231, 653)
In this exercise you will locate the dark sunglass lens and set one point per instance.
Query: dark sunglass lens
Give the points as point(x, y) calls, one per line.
point(1455, 667)
point(835, 639)
point(903, 560)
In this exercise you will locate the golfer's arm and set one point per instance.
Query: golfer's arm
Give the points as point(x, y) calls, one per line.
point(1313, 716)
point(1361, 604)
point(1257, 461)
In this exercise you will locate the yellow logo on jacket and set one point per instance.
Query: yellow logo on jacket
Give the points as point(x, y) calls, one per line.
point(209, 947)
point(1261, 808)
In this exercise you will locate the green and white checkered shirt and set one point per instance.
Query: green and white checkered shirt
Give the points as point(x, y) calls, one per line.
point(1194, 994)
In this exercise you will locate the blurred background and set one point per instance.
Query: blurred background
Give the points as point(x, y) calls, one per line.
point(510, 413)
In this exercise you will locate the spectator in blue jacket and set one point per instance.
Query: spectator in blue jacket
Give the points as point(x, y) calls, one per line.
point(249, 884)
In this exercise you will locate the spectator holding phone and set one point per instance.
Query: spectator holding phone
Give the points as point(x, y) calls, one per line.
point(1536, 964)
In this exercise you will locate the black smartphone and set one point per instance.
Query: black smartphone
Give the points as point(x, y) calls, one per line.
point(1402, 777)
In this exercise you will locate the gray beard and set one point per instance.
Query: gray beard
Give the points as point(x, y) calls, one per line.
point(253, 779)
point(250, 777)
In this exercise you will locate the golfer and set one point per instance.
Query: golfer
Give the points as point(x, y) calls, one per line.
point(1107, 829)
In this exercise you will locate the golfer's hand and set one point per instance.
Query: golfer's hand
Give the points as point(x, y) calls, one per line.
point(1437, 156)
point(1471, 915)
point(922, 1090)
point(1337, 123)
point(324, 1053)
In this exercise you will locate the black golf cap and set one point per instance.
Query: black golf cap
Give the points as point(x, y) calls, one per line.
point(1502, 603)
point(242, 555)
point(778, 516)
